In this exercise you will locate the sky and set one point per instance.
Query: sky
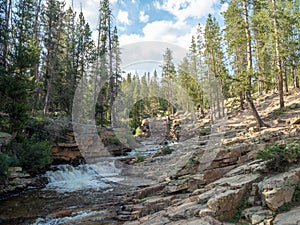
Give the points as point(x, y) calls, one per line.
point(172, 22)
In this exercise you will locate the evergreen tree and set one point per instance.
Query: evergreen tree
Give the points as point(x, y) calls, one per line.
point(168, 78)
point(53, 16)
point(17, 79)
point(214, 59)
point(242, 7)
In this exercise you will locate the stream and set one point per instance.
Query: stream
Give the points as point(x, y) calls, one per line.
point(73, 193)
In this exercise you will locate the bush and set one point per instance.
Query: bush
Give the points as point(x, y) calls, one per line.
point(113, 140)
point(280, 155)
point(34, 157)
point(138, 157)
point(167, 150)
point(4, 163)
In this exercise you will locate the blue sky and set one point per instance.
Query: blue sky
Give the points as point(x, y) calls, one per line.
point(171, 21)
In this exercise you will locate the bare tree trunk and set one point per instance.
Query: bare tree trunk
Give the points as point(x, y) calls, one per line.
point(286, 86)
point(241, 94)
point(257, 117)
point(260, 69)
point(277, 57)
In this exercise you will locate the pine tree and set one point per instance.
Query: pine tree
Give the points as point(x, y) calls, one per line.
point(168, 78)
point(214, 59)
point(245, 80)
point(18, 69)
point(53, 15)
point(277, 54)
point(262, 30)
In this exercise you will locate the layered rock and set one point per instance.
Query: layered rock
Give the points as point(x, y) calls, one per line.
point(18, 181)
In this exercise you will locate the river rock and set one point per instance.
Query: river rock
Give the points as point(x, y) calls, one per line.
point(279, 189)
point(289, 218)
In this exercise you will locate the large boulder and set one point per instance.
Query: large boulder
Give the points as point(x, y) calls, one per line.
point(279, 189)
point(225, 204)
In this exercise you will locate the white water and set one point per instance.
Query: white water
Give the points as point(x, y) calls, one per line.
point(75, 217)
point(67, 178)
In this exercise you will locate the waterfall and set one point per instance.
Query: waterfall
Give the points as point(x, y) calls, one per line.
point(66, 178)
point(68, 220)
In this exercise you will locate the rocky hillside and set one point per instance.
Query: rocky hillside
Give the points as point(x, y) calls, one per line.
point(225, 184)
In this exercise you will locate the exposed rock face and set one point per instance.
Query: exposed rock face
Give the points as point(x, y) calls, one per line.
point(224, 204)
point(258, 215)
point(18, 181)
point(90, 147)
point(279, 189)
point(289, 218)
point(67, 153)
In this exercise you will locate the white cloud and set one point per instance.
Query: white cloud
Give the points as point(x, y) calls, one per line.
point(178, 33)
point(123, 17)
point(143, 17)
point(113, 1)
point(184, 9)
point(133, 1)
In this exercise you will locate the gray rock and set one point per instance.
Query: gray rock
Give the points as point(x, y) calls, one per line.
point(289, 218)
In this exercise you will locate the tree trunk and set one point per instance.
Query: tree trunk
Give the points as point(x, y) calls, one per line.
point(277, 57)
point(258, 119)
point(255, 114)
point(248, 37)
point(241, 94)
point(286, 86)
point(111, 76)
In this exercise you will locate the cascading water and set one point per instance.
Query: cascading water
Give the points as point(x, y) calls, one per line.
point(66, 178)
point(68, 220)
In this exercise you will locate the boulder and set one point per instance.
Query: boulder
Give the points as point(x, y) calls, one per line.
point(289, 218)
point(279, 189)
point(225, 204)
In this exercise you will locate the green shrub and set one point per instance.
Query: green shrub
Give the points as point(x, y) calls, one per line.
point(284, 208)
point(4, 163)
point(238, 215)
point(34, 157)
point(113, 140)
point(280, 155)
point(166, 150)
point(296, 195)
point(138, 157)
